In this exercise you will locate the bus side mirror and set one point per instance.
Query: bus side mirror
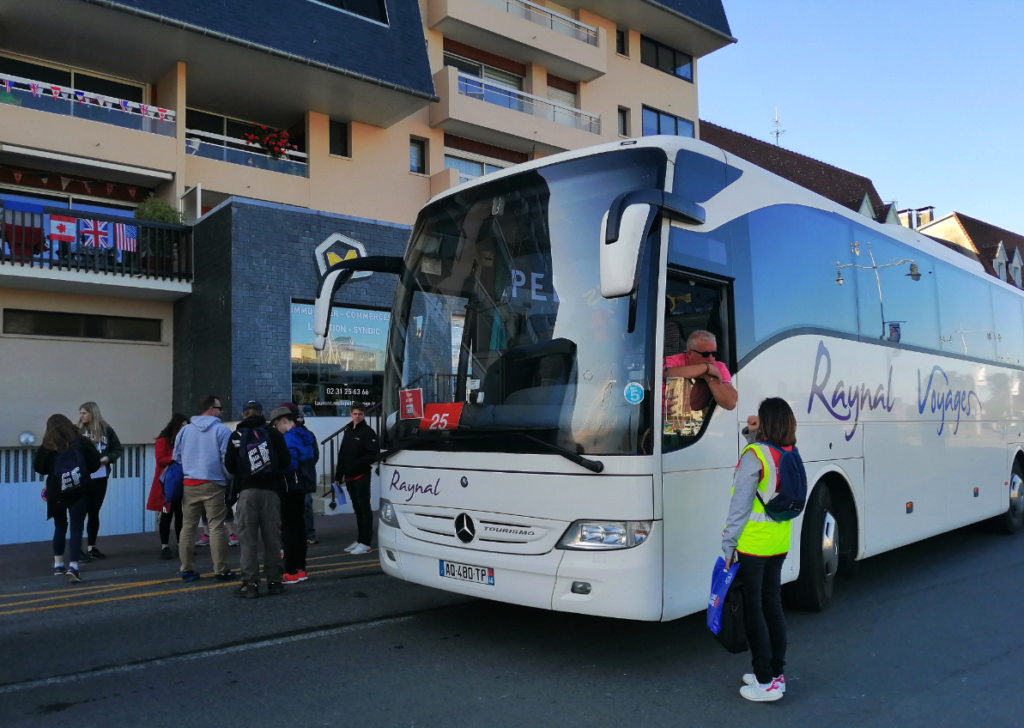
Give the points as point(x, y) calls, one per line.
point(624, 229)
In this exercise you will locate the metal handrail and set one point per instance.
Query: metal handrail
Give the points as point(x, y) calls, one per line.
point(225, 141)
point(477, 87)
point(542, 16)
point(329, 445)
point(70, 94)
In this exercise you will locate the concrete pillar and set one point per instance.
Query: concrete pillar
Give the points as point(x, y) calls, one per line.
point(171, 91)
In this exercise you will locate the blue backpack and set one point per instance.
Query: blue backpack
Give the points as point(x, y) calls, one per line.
point(173, 479)
point(72, 472)
point(790, 495)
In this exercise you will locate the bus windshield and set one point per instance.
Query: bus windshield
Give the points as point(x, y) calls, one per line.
point(499, 324)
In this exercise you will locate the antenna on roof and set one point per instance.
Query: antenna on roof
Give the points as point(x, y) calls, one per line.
point(776, 131)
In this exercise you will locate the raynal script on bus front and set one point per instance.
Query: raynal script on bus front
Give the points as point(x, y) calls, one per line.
point(847, 402)
point(413, 488)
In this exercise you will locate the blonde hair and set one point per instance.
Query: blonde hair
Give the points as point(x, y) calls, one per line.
point(97, 428)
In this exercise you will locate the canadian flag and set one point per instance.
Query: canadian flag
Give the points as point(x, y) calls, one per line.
point(17, 175)
point(63, 229)
point(131, 191)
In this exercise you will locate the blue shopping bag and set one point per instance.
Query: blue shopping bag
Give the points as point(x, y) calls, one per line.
point(721, 580)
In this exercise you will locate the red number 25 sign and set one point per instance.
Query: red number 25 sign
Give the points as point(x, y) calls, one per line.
point(441, 416)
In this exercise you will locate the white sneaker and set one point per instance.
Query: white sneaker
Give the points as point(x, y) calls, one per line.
point(348, 549)
point(760, 693)
point(360, 549)
point(749, 679)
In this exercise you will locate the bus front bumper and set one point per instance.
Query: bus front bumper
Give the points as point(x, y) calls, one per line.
point(625, 584)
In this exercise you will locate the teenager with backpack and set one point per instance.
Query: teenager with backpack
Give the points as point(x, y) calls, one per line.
point(104, 439)
point(301, 444)
point(307, 475)
point(67, 459)
point(356, 455)
point(257, 456)
point(156, 501)
point(769, 489)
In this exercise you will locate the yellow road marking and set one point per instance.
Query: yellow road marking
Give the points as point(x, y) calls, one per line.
point(158, 593)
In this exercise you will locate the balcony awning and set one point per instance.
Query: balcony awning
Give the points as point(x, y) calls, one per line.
point(71, 164)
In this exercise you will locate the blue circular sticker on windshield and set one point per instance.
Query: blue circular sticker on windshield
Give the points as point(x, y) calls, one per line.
point(634, 393)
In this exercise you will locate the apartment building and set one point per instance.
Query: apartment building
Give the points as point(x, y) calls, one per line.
point(105, 103)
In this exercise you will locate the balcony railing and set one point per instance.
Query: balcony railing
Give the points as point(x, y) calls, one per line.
point(236, 151)
point(29, 94)
point(477, 88)
point(543, 16)
point(56, 238)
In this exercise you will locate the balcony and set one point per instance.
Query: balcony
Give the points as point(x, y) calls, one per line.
point(54, 99)
point(524, 32)
point(51, 248)
point(236, 151)
point(479, 109)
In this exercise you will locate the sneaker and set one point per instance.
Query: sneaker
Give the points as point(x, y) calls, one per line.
point(95, 553)
point(232, 540)
point(248, 590)
point(360, 549)
point(72, 574)
point(226, 576)
point(204, 540)
point(762, 693)
point(348, 549)
point(165, 553)
point(59, 570)
point(749, 679)
point(294, 578)
point(84, 558)
point(312, 541)
point(275, 587)
point(190, 576)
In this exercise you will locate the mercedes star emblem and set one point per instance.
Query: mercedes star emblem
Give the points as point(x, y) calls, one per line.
point(464, 528)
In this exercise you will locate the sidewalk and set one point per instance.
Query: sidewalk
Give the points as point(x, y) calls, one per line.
point(141, 552)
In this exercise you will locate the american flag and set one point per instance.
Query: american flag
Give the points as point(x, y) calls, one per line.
point(95, 234)
point(126, 237)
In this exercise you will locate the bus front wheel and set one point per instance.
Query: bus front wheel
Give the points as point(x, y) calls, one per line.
point(1013, 520)
point(819, 553)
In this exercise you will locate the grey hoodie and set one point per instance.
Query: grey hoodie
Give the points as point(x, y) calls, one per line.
point(200, 448)
point(744, 483)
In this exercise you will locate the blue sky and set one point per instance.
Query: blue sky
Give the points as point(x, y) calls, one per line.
point(925, 98)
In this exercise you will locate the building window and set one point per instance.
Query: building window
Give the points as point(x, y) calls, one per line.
point(472, 168)
point(339, 139)
point(372, 9)
point(623, 122)
point(621, 43)
point(418, 156)
point(660, 56)
point(658, 122)
point(80, 325)
point(490, 74)
point(73, 79)
point(1015, 271)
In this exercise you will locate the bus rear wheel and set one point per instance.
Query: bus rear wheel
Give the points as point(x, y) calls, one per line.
point(1012, 521)
point(819, 553)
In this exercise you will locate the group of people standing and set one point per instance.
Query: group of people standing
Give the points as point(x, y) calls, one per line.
point(77, 462)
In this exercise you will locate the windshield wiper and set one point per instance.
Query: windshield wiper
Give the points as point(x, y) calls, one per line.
point(594, 466)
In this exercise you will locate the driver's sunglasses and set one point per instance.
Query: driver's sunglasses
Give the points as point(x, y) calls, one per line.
point(704, 354)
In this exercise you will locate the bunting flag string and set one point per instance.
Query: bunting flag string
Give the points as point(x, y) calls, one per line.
point(111, 189)
point(17, 175)
point(64, 182)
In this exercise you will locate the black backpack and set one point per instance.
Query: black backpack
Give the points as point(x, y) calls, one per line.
point(256, 454)
point(71, 472)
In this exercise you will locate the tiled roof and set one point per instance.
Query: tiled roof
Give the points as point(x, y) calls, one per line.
point(839, 185)
point(707, 12)
point(986, 238)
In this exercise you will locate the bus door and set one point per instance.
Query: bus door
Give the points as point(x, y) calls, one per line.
point(700, 442)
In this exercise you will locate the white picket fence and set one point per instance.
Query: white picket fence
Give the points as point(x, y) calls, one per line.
point(23, 510)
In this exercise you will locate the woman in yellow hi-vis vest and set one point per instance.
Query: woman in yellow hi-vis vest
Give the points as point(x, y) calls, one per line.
point(761, 544)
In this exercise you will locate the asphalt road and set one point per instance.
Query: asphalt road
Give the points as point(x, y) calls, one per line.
point(929, 635)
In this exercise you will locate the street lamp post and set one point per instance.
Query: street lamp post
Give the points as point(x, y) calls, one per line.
point(914, 274)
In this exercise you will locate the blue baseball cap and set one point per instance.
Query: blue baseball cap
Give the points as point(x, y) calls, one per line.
point(253, 404)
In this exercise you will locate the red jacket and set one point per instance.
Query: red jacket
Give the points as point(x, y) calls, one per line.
point(164, 456)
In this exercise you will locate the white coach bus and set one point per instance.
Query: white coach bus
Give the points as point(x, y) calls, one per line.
point(530, 457)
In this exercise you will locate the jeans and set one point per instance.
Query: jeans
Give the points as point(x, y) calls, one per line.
point(259, 515)
point(293, 531)
point(359, 492)
point(308, 516)
point(77, 510)
point(165, 524)
point(197, 498)
point(97, 493)
point(766, 624)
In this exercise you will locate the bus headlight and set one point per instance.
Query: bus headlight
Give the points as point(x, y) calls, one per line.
point(387, 513)
point(605, 535)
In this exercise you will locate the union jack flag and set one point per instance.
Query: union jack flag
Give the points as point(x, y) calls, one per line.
point(95, 234)
point(35, 89)
point(126, 237)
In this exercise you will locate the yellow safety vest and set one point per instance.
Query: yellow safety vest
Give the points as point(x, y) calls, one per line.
point(762, 536)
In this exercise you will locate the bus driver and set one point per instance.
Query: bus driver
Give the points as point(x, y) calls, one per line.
point(698, 362)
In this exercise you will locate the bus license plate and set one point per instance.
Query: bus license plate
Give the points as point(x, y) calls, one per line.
point(465, 572)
